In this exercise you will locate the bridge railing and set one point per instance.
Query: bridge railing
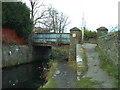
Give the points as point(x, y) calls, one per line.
point(51, 38)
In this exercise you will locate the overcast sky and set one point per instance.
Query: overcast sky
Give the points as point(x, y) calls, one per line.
point(96, 12)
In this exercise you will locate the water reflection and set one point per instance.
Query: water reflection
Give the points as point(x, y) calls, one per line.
point(24, 76)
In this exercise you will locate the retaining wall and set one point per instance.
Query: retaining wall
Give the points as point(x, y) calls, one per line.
point(16, 54)
point(109, 44)
point(21, 54)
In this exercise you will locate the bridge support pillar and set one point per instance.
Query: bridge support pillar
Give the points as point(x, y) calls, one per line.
point(75, 38)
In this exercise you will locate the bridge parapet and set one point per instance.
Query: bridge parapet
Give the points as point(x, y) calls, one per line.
point(50, 39)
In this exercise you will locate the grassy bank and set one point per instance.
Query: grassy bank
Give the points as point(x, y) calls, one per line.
point(84, 63)
point(73, 65)
point(106, 65)
point(84, 82)
point(51, 82)
point(58, 54)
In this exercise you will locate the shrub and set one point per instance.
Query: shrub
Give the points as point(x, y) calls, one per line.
point(16, 15)
point(90, 34)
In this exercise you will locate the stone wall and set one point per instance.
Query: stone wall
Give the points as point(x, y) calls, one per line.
point(75, 38)
point(20, 54)
point(16, 54)
point(109, 44)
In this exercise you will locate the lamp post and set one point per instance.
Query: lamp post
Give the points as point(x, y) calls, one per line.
point(83, 34)
point(83, 23)
point(83, 28)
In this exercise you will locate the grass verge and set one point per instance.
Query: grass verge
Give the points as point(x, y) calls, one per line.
point(84, 82)
point(51, 82)
point(106, 65)
point(84, 63)
point(72, 64)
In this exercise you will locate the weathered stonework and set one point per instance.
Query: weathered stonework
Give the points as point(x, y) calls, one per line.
point(109, 44)
point(102, 31)
point(21, 54)
point(16, 54)
point(74, 39)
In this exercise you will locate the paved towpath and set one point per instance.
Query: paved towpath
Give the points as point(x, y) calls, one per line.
point(94, 70)
point(66, 76)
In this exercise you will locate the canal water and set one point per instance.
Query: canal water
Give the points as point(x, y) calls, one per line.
point(24, 76)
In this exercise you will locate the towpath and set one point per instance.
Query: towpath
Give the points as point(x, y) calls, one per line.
point(94, 71)
point(65, 76)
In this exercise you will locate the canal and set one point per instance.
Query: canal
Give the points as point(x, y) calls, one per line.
point(30, 75)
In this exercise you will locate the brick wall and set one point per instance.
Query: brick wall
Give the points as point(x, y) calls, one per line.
point(10, 36)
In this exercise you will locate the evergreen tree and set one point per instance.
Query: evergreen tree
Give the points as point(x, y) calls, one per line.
point(16, 15)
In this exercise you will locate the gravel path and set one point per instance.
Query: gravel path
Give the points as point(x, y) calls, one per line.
point(65, 76)
point(94, 70)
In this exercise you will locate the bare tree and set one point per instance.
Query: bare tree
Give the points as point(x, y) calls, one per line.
point(49, 17)
point(62, 23)
point(37, 11)
point(56, 21)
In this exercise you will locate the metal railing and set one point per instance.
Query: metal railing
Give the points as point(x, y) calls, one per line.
point(51, 38)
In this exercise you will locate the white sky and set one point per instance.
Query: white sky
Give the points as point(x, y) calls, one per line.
point(96, 12)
